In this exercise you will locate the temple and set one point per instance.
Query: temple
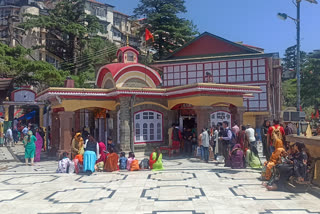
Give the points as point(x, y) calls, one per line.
point(136, 106)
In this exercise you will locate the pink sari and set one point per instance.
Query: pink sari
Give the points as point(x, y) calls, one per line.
point(39, 143)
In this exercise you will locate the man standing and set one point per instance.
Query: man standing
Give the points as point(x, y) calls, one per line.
point(227, 144)
point(205, 144)
point(251, 137)
point(188, 142)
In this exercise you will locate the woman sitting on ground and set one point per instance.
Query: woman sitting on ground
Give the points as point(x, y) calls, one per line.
point(274, 159)
point(151, 161)
point(131, 157)
point(297, 167)
point(157, 157)
point(252, 157)
point(237, 157)
point(91, 154)
point(111, 163)
point(102, 159)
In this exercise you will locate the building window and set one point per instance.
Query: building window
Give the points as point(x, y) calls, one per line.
point(100, 12)
point(151, 124)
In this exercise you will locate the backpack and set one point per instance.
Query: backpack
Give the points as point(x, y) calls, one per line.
point(276, 133)
point(233, 139)
point(144, 164)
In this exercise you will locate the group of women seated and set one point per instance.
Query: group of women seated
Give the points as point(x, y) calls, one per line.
point(92, 156)
point(284, 165)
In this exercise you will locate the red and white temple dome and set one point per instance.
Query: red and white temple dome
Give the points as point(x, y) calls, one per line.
point(128, 72)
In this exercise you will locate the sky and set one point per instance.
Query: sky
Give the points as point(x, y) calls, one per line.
point(253, 22)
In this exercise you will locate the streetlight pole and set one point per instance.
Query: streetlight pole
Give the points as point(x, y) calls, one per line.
point(298, 56)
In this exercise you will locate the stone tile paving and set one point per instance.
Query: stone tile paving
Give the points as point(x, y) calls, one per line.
point(186, 186)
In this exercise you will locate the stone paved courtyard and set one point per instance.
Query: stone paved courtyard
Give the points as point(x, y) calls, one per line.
point(186, 186)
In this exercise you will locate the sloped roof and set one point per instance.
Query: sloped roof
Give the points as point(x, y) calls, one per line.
point(209, 44)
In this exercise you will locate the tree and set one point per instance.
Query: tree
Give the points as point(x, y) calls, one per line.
point(289, 92)
point(69, 27)
point(289, 61)
point(310, 80)
point(169, 30)
point(14, 63)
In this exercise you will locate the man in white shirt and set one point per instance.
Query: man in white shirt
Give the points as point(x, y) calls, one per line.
point(251, 136)
point(205, 144)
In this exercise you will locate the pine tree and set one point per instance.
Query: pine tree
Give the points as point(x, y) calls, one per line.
point(170, 31)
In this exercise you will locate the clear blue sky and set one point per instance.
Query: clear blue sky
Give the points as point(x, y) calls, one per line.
point(252, 21)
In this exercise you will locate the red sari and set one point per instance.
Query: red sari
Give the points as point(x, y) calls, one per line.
point(151, 162)
point(111, 163)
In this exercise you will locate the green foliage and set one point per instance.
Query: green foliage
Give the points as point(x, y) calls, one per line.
point(289, 91)
point(69, 23)
point(41, 74)
point(310, 80)
point(289, 60)
point(169, 30)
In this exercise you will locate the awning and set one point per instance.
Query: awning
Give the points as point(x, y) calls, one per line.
point(5, 83)
point(28, 116)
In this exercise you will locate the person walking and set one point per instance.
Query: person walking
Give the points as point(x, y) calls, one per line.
point(30, 147)
point(9, 137)
point(15, 134)
point(205, 144)
point(39, 144)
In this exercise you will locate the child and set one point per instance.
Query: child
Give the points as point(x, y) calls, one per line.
point(130, 159)
point(123, 160)
point(65, 165)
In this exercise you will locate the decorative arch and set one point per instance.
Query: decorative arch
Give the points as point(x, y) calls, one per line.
point(135, 75)
point(71, 105)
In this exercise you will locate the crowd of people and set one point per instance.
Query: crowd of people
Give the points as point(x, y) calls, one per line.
point(31, 136)
point(88, 156)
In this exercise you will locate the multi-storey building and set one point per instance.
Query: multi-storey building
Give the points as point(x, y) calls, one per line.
point(212, 59)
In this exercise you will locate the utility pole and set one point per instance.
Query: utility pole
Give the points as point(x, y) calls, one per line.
point(10, 26)
point(298, 55)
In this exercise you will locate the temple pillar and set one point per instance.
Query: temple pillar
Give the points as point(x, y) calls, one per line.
point(125, 123)
point(6, 112)
point(55, 132)
point(239, 115)
point(66, 125)
point(77, 121)
point(203, 117)
point(41, 115)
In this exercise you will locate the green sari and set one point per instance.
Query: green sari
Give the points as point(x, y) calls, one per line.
point(158, 164)
point(30, 146)
point(252, 160)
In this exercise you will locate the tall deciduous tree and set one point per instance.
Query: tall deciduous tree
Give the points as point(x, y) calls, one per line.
point(170, 31)
point(14, 63)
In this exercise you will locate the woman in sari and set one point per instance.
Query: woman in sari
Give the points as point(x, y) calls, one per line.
point(77, 146)
point(151, 161)
point(91, 155)
point(274, 159)
point(111, 163)
point(30, 147)
point(157, 156)
point(252, 158)
point(39, 144)
point(100, 162)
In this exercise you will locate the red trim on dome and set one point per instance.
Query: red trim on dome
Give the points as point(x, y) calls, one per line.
point(127, 48)
point(115, 69)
